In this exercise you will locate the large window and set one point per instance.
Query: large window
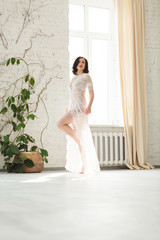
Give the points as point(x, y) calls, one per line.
point(92, 36)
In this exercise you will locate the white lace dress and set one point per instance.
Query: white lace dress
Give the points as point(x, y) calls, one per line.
point(87, 157)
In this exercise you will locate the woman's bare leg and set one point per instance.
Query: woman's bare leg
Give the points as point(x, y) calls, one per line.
point(62, 124)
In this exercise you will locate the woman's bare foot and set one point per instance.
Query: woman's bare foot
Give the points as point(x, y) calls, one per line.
point(82, 170)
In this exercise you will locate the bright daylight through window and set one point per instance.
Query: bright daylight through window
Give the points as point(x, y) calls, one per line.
point(92, 36)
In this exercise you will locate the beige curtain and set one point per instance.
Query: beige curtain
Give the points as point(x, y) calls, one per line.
point(131, 25)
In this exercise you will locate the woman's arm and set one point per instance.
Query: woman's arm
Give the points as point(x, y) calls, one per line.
point(89, 84)
point(87, 110)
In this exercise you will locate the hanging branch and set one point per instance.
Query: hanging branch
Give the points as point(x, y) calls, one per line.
point(27, 17)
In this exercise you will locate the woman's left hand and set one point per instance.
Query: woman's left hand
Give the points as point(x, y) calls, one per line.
point(87, 110)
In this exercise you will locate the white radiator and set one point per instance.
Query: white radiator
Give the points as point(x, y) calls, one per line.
point(110, 147)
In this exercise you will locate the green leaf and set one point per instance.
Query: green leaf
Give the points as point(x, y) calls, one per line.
point(27, 107)
point(11, 167)
point(6, 138)
point(24, 92)
point(23, 157)
point(32, 81)
point(20, 117)
point(4, 110)
point(31, 116)
point(7, 99)
point(7, 166)
point(9, 102)
point(14, 149)
point(19, 109)
point(23, 98)
point(24, 139)
point(2, 148)
point(13, 107)
point(29, 163)
point(18, 61)
point(14, 126)
point(19, 97)
point(33, 148)
point(20, 168)
point(17, 160)
point(18, 127)
point(23, 146)
point(44, 152)
point(45, 159)
point(28, 94)
point(9, 152)
point(8, 62)
point(6, 159)
point(30, 138)
point(23, 125)
point(27, 78)
point(13, 60)
point(12, 99)
point(5, 144)
point(18, 139)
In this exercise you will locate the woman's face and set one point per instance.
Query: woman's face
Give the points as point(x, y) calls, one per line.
point(81, 64)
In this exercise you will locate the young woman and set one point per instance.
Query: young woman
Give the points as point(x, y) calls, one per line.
point(81, 155)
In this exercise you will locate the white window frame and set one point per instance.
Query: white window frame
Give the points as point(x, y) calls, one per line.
point(87, 36)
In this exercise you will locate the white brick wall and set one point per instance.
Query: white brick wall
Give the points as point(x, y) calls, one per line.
point(51, 18)
point(152, 54)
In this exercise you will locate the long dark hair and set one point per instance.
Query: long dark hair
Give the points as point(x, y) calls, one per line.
point(75, 64)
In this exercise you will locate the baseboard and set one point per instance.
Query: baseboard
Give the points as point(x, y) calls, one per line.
point(101, 167)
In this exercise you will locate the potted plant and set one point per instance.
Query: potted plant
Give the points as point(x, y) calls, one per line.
point(19, 156)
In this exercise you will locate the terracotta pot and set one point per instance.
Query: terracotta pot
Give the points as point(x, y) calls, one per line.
point(36, 158)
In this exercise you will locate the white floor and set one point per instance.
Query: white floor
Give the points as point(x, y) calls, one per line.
point(116, 205)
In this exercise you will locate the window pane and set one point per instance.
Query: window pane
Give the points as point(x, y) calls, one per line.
point(99, 63)
point(76, 17)
point(76, 49)
point(98, 20)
